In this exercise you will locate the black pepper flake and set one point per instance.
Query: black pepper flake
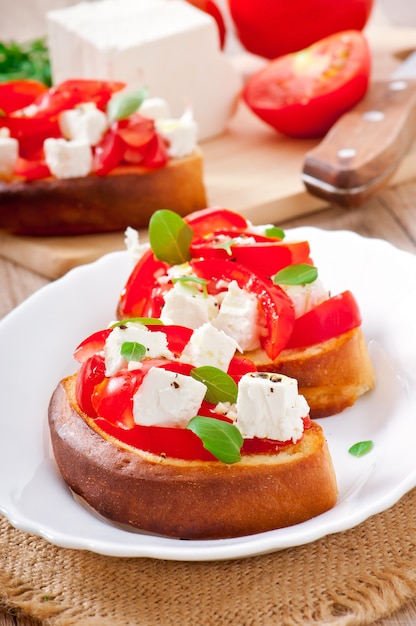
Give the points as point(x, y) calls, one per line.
point(175, 385)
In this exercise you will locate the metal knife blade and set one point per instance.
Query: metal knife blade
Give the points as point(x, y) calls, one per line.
point(365, 146)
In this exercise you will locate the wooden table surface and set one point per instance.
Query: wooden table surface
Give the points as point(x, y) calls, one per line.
point(390, 216)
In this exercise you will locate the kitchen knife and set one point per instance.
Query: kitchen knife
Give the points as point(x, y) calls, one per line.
point(365, 146)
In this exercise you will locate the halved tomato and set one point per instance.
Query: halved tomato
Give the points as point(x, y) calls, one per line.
point(304, 93)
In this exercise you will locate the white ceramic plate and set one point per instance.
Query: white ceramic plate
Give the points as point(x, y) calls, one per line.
point(37, 340)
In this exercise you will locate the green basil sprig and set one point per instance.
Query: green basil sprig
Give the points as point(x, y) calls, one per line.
point(361, 448)
point(221, 438)
point(275, 233)
point(220, 386)
point(155, 321)
point(170, 237)
point(132, 351)
point(296, 274)
point(193, 279)
point(122, 105)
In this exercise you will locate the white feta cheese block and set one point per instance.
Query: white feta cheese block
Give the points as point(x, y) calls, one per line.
point(238, 317)
point(155, 343)
point(134, 248)
point(209, 346)
point(84, 123)
point(187, 306)
point(168, 46)
point(9, 152)
point(68, 159)
point(269, 406)
point(306, 297)
point(167, 399)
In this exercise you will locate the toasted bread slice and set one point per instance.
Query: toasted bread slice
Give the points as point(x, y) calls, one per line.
point(331, 375)
point(127, 196)
point(189, 499)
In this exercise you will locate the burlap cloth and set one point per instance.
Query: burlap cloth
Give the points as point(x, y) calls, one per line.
point(354, 577)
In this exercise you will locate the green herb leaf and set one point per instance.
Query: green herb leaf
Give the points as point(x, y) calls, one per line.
point(361, 448)
point(275, 233)
point(225, 245)
point(220, 386)
point(193, 279)
point(123, 105)
point(25, 60)
point(170, 237)
point(138, 320)
point(132, 351)
point(221, 438)
point(296, 274)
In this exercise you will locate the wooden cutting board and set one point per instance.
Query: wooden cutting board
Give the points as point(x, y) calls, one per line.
point(250, 169)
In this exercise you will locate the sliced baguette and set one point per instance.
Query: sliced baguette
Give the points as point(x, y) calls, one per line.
point(128, 196)
point(331, 375)
point(189, 499)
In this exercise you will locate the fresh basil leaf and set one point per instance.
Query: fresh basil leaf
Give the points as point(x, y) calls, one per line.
point(122, 105)
point(275, 233)
point(220, 386)
point(296, 274)
point(193, 279)
point(138, 320)
point(170, 237)
point(132, 351)
point(225, 245)
point(361, 448)
point(221, 438)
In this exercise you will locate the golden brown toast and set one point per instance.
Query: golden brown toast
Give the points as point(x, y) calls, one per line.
point(189, 499)
point(127, 196)
point(331, 375)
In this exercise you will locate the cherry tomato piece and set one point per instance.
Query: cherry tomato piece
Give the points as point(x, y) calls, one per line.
point(210, 7)
point(207, 221)
point(90, 374)
point(331, 318)
point(91, 345)
point(136, 296)
point(31, 169)
point(17, 94)
point(112, 398)
point(303, 94)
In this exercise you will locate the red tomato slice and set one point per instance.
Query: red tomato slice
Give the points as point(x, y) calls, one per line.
point(264, 257)
point(136, 131)
point(69, 93)
point(112, 398)
point(90, 374)
point(274, 303)
point(17, 94)
point(331, 318)
point(108, 153)
point(303, 94)
point(31, 133)
point(272, 28)
point(177, 336)
point(31, 170)
point(136, 297)
point(91, 345)
point(207, 221)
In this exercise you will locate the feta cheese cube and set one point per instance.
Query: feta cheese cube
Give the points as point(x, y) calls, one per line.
point(155, 109)
point(188, 306)
point(180, 134)
point(167, 399)
point(9, 152)
point(84, 123)
point(238, 317)
point(269, 406)
point(68, 159)
point(155, 343)
point(209, 346)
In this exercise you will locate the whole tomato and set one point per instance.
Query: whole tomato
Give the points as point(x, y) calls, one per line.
point(271, 28)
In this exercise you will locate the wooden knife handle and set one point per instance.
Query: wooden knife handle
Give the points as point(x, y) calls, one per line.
point(365, 146)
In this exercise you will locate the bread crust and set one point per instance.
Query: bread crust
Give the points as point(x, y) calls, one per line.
point(127, 196)
point(189, 499)
point(332, 375)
